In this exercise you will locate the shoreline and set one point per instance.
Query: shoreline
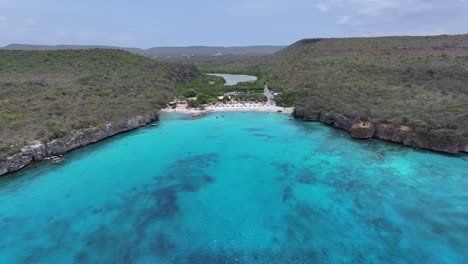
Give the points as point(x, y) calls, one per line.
point(231, 108)
point(39, 152)
point(403, 136)
point(33, 154)
point(399, 134)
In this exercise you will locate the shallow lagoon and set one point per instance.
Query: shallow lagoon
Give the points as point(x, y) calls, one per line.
point(233, 79)
point(246, 188)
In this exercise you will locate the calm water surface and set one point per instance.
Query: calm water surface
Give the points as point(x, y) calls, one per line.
point(246, 188)
point(233, 79)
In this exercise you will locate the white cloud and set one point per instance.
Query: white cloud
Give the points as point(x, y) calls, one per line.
point(375, 7)
point(322, 7)
point(344, 20)
point(2, 18)
point(379, 7)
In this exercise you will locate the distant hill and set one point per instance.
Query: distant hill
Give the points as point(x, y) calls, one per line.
point(416, 84)
point(212, 51)
point(63, 47)
point(161, 51)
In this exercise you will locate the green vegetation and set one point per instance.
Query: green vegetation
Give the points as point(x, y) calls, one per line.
point(208, 85)
point(230, 64)
point(416, 81)
point(419, 82)
point(248, 64)
point(208, 89)
point(49, 94)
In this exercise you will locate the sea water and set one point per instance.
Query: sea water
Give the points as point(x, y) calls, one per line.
point(243, 188)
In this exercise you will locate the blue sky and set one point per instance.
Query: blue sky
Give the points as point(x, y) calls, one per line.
point(147, 23)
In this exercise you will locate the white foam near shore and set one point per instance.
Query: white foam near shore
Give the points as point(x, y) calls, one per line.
point(182, 108)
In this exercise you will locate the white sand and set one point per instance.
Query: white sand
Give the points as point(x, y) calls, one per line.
point(182, 108)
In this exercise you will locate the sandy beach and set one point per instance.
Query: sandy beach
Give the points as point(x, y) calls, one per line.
point(247, 107)
point(232, 79)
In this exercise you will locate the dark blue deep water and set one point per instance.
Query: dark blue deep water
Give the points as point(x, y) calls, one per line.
point(246, 188)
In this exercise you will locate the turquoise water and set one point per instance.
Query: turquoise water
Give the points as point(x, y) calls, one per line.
point(245, 188)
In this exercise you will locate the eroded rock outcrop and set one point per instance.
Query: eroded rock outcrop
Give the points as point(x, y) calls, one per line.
point(336, 120)
point(438, 139)
point(362, 130)
point(464, 144)
point(39, 151)
point(14, 163)
point(441, 140)
point(398, 134)
point(305, 114)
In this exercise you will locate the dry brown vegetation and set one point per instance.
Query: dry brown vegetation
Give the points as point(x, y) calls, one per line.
point(417, 81)
point(49, 94)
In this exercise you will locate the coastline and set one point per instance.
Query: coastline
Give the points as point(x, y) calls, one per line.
point(402, 135)
point(399, 134)
point(38, 152)
point(43, 151)
point(231, 108)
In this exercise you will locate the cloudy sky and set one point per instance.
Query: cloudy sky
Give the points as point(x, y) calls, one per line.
point(148, 23)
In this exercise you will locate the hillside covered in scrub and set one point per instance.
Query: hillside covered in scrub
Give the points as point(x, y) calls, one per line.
point(50, 94)
point(418, 86)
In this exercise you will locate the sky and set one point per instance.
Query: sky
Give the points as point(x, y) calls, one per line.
point(145, 23)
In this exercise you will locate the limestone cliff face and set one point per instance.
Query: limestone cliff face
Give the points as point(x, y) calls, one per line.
point(336, 120)
point(362, 130)
point(436, 140)
point(61, 146)
point(397, 134)
point(305, 114)
point(464, 146)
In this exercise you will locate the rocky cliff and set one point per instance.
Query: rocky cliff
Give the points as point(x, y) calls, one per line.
point(40, 151)
point(436, 140)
